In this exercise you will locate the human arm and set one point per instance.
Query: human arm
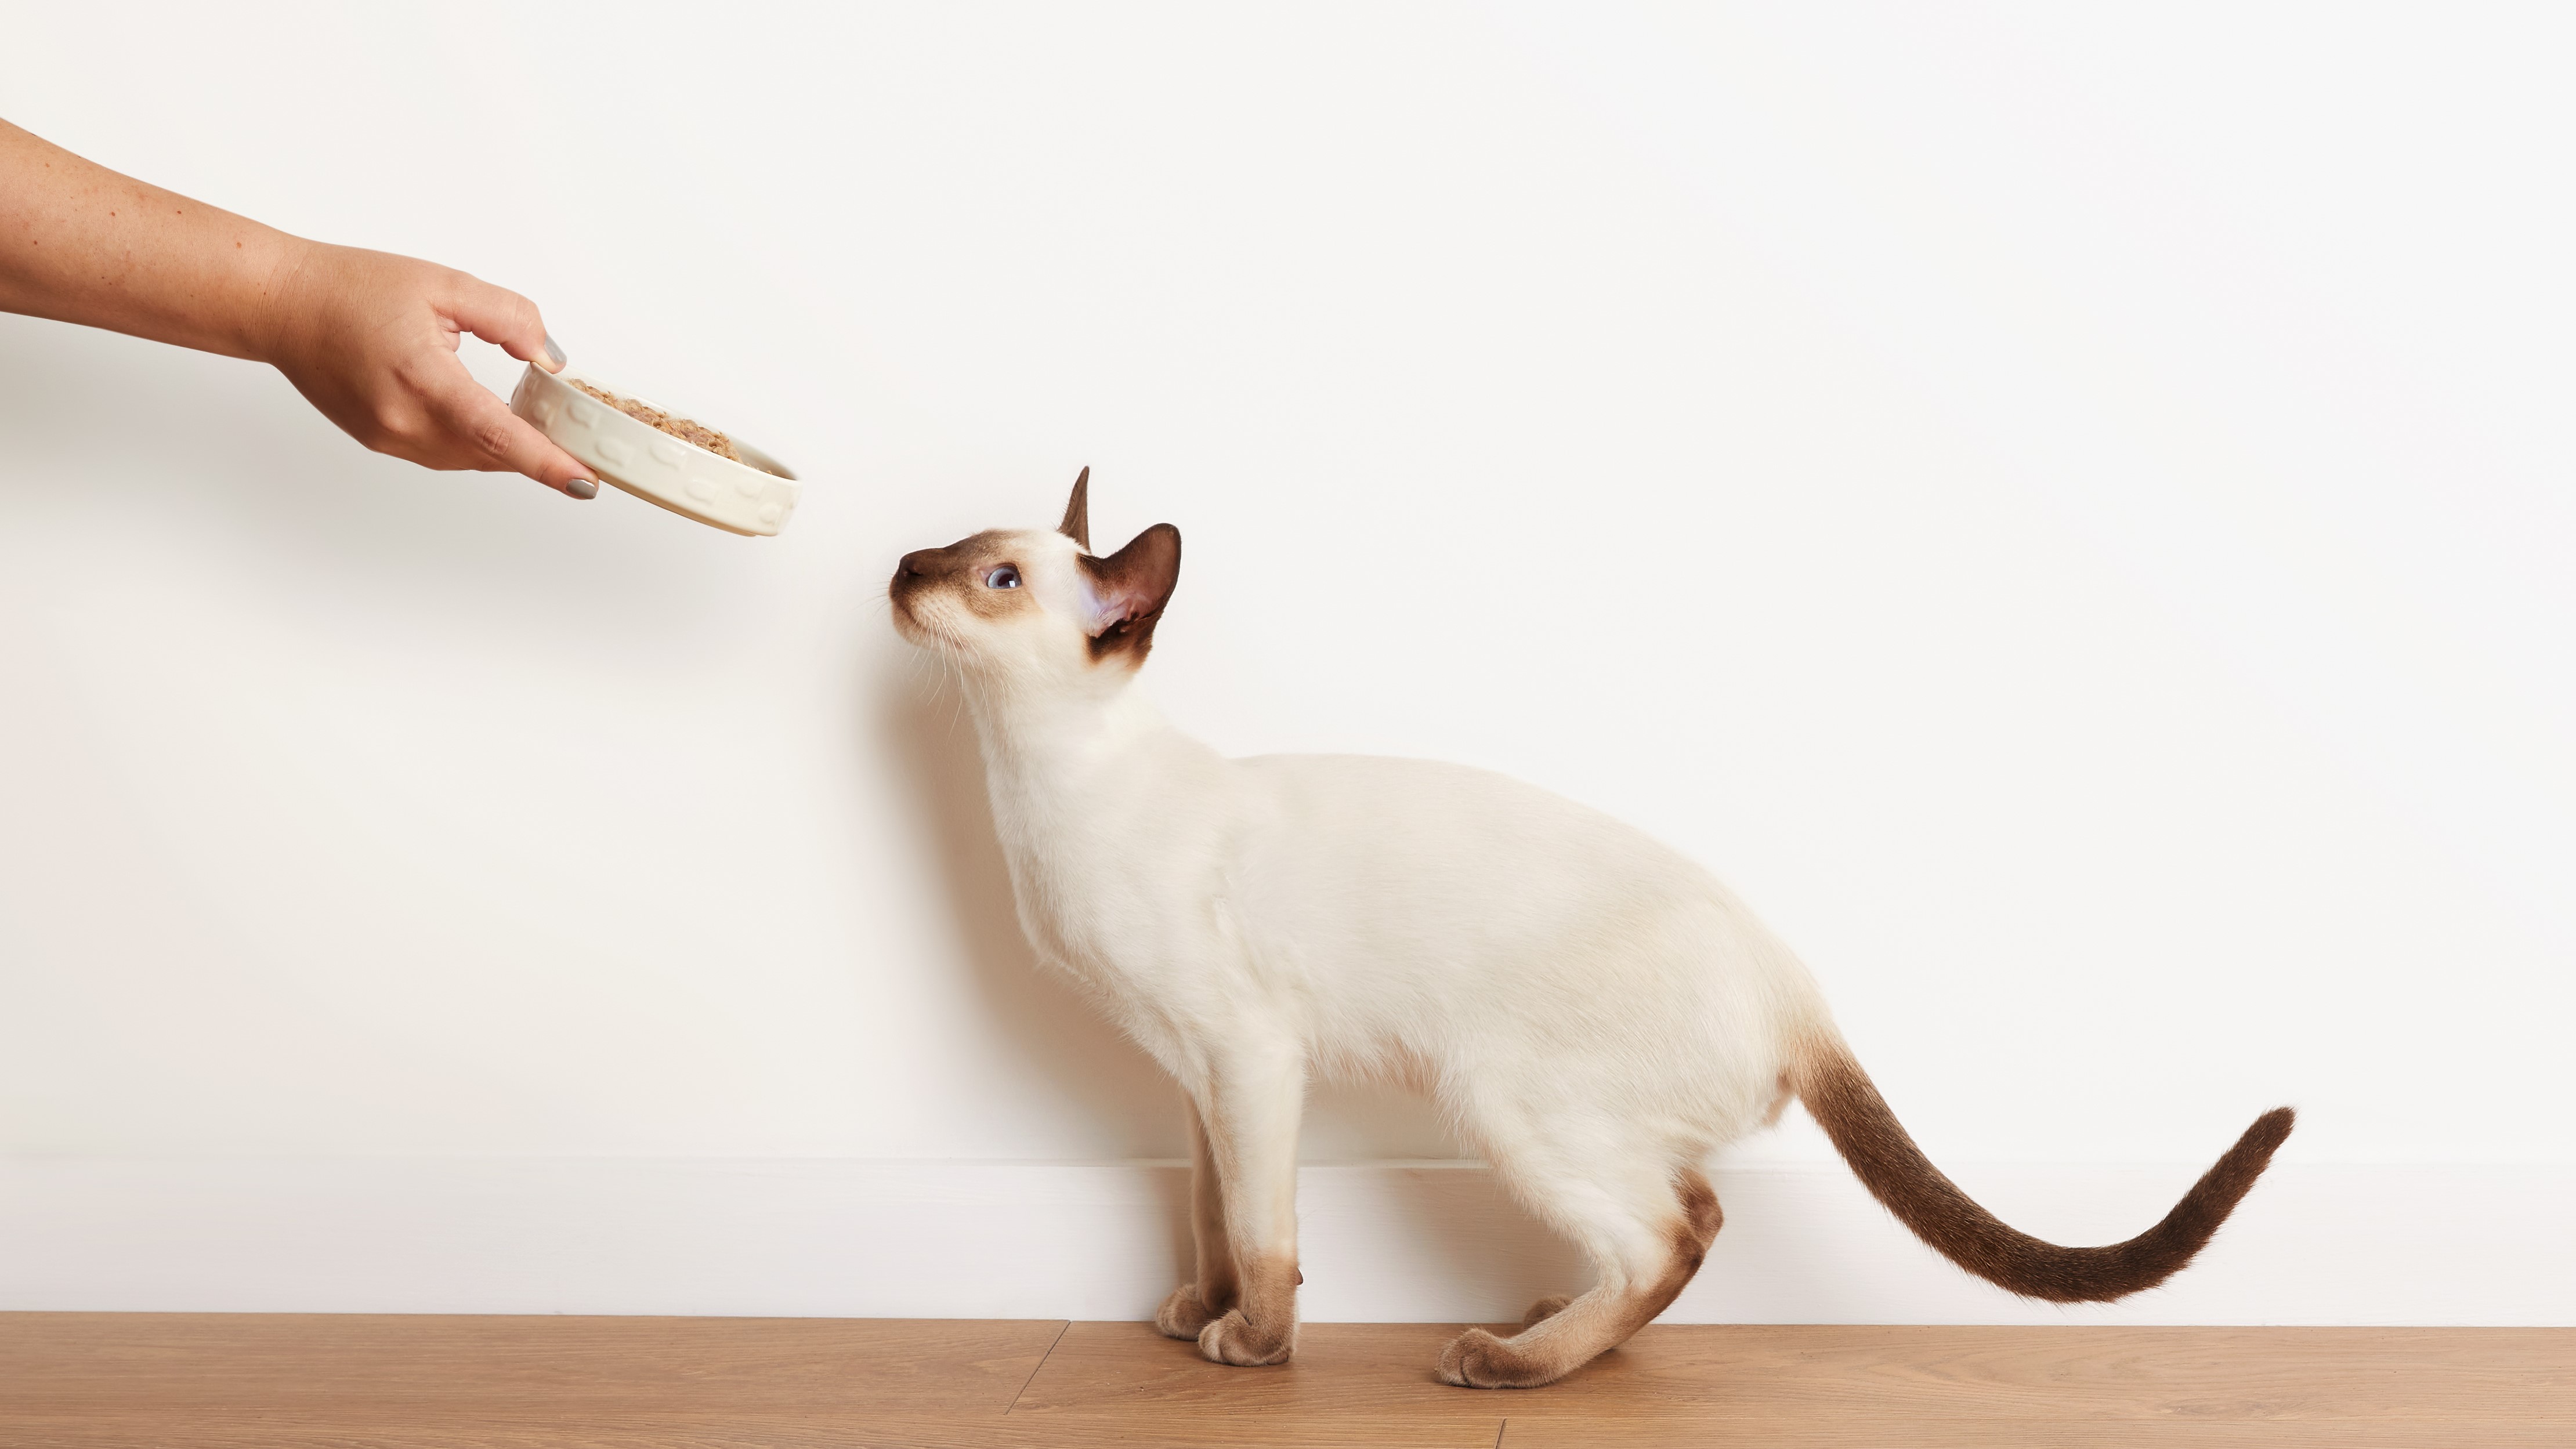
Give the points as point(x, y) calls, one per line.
point(369, 338)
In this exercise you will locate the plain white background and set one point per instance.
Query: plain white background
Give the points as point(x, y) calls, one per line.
point(2069, 512)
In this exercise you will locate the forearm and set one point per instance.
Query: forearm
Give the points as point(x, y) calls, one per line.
point(80, 243)
point(369, 338)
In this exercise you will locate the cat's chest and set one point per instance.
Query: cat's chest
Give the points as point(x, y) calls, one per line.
point(1108, 879)
point(1066, 838)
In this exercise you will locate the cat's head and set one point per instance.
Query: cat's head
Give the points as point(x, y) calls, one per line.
point(1034, 605)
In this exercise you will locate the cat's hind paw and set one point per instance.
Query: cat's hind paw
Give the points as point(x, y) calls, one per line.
point(1183, 1315)
point(1478, 1360)
point(1235, 1340)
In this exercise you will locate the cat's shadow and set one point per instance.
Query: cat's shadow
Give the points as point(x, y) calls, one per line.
point(1109, 1079)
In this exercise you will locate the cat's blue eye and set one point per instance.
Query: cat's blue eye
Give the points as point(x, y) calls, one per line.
point(1005, 577)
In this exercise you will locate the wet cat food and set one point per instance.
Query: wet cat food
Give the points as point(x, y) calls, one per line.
point(686, 431)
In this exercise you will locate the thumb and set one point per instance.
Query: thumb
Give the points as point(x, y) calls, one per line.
point(505, 319)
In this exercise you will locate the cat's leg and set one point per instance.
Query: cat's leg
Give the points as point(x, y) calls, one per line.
point(1196, 1304)
point(1646, 1235)
point(1251, 1110)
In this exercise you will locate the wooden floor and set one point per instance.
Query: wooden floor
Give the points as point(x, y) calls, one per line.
point(92, 1379)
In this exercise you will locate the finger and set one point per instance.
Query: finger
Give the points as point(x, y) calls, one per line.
point(506, 319)
point(486, 435)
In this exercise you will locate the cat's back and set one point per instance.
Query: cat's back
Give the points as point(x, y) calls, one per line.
point(1453, 910)
point(1426, 845)
point(1404, 804)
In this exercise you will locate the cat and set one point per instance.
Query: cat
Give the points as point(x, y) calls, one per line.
point(1594, 1013)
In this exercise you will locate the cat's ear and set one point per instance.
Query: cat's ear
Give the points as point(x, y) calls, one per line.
point(1128, 590)
point(1077, 512)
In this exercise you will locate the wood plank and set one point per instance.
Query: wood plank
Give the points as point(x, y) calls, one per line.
point(234, 1381)
point(979, 1430)
point(1787, 1375)
point(1868, 1432)
point(394, 1367)
point(1382, 1371)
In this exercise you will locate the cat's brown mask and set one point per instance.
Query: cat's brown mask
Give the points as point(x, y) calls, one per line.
point(1000, 578)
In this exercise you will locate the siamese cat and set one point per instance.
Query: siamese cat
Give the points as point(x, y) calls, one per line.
point(1592, 1012)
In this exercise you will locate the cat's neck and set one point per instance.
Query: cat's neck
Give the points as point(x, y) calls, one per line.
point(1095, 799)
point(1044, 740)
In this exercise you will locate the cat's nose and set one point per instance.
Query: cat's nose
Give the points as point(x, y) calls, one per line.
point(916, 564)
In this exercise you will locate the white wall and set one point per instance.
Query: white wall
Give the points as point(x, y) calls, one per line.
point(2069, 512)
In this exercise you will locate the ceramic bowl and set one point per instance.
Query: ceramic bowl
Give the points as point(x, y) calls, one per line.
point(755, 496)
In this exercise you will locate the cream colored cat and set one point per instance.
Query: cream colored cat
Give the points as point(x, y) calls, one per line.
point(1593, 1012)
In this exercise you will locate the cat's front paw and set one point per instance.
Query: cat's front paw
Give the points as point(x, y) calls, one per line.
point(1478, 1360)
point(1183, 1315)
point(1237, 1340)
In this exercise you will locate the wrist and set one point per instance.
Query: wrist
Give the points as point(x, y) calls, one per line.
point(273, 292)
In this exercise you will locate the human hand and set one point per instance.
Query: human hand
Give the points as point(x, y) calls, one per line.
point(370, 338)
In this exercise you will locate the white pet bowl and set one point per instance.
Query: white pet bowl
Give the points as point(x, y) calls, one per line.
point(755, 496)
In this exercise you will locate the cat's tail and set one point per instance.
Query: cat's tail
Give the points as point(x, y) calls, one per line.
point(1848, 1106)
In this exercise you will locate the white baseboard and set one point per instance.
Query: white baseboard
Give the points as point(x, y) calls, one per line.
point(1381, 1241)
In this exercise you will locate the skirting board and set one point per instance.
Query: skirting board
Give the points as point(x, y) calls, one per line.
point(1423, 1241)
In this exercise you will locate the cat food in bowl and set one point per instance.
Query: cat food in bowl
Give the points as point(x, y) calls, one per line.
point(659, 456)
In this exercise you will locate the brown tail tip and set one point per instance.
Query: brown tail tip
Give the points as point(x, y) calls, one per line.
point(2100, 1275)
point(2267, 1134)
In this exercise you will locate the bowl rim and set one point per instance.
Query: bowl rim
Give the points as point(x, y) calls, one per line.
point(776, 469)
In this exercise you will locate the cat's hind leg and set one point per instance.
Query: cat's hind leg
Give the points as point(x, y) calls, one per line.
point(1646, 1239)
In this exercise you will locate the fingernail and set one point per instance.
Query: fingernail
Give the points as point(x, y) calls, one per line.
point(555, 361)
point(582, 488)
